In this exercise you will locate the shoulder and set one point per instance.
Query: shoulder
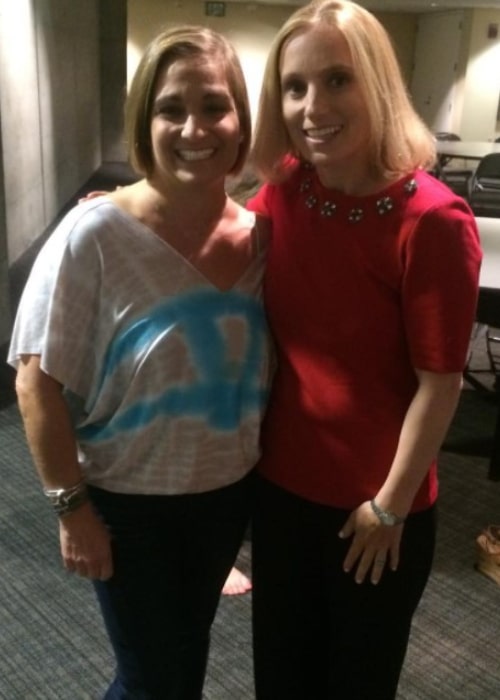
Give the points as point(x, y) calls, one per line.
point(243, 216)
point(76, 235)
point(434, 195)
point(273, 196)
point(437, 222)
point(436, 205)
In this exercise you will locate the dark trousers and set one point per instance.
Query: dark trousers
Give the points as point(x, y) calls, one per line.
point(171, 557)
point(317, 634)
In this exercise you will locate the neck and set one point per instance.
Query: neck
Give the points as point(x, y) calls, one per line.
point(198, 208)
point(357, 183)
point(193, 193)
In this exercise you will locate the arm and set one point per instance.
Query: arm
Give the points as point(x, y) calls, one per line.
point(423, 431)
point(85, 541)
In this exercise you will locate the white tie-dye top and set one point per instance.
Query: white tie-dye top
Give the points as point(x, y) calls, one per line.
point(170, 374)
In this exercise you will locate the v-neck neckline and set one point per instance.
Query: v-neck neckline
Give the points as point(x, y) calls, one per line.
point(143, 228)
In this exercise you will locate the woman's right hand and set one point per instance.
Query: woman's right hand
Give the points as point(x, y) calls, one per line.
point(93, 195)
point(86, 544)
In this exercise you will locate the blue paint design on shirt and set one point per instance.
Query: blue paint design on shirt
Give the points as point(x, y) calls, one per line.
point(223, 393)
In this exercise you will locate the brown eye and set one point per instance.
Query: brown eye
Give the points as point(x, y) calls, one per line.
point(339, 80)
point(169, 109)
point(293, 87)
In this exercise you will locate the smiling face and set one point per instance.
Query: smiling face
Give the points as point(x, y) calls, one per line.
point(323, 106)
point(195, 130)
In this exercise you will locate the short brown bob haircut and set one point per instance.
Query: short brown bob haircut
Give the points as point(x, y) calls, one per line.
point(399, 140)
point(168, 47)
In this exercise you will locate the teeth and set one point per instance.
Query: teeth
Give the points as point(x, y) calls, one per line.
point(196, 155)
point(320, 133)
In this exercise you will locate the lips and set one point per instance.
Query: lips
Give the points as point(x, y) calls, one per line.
point(322, 133)
point(198, 154)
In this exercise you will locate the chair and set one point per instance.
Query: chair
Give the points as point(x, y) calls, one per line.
point(484, 189)
point(457, 179)
point(446, 136)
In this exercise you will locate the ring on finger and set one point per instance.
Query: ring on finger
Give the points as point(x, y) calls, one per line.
point(380, 562)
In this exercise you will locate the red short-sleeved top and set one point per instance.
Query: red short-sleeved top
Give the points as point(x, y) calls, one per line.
point(359, 291)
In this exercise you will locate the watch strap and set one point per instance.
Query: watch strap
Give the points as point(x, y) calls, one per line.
point(67, 500)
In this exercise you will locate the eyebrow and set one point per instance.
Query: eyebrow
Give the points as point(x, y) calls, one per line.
point(333, 68)
point(208, 95)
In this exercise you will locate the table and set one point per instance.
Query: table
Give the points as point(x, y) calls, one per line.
point(488, 308)
point(489, 277)
point(468, 150)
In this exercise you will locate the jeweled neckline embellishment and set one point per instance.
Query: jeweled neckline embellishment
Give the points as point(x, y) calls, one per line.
point(328, 208)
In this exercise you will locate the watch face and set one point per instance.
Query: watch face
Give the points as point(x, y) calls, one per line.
point(388, 519)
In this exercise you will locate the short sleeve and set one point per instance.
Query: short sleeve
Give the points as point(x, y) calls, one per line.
point(58, 307)
point(440, 287)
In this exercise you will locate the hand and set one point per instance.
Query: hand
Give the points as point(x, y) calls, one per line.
point(374, 546)
point(92, 195)
point(86, 544)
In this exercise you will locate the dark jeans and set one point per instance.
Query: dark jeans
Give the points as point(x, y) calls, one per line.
point(171, 557)
point(317, 634)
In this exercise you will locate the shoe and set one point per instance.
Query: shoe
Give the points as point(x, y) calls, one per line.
point(488, 552)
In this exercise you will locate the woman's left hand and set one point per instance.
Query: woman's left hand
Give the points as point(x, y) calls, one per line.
point(374, 546)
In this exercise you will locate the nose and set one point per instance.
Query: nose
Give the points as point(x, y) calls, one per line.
point(315, 102)
point(192, 126)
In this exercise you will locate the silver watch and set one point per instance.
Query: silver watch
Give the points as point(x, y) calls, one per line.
point(386, 517)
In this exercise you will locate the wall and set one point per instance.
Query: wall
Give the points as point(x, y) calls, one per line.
point(49, 82)
point(113, 72)
point(57, 59)
point(4, 264)
point(250, 27)
point(463, 59)
point(481, 89)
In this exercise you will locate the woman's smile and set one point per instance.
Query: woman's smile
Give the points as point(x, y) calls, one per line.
point(195, 154)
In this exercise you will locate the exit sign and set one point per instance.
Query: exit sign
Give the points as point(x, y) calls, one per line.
point(215, 9)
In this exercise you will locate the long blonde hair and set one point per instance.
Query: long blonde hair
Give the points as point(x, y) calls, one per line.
point(399, 140)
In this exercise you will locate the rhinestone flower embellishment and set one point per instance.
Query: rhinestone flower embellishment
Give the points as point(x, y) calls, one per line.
point(328, 209)
point(355, 215)
point(384, 205)
point(411, 186)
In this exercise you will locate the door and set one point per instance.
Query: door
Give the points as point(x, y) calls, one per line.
point(435, 68)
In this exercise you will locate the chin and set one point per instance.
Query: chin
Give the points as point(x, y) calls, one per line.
point(322, 159)
point(336, 158)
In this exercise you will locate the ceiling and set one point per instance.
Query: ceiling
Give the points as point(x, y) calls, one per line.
point(396, 5)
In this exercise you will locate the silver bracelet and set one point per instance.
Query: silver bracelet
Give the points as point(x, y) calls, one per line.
point(65, 501)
